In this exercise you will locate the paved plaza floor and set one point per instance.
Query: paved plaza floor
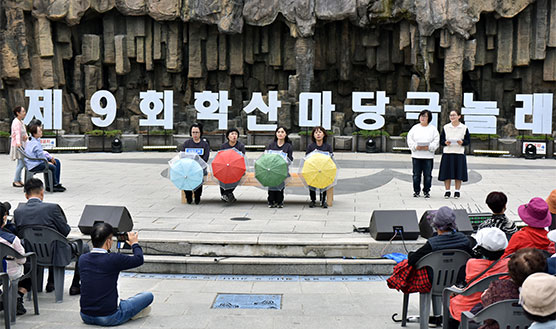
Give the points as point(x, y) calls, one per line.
point(378, 181)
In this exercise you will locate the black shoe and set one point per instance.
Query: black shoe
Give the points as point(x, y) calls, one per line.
point(49, 287)
point(456, 195)
point(232, 198)
point(427, 195)
point(416, 194)
point(20, 309)
point(59, 186)
point(324, 204)
point(225, 198)
point(271, 205)
point(312, 204)
point(75, 290)
point(435, 320)
point(447, 195)
point(280, 205)
point(198, 200)
point(59, 189)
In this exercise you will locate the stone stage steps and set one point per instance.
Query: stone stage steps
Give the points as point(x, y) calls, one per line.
point(354, 255)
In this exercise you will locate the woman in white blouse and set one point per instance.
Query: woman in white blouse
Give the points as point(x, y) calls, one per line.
point(454, 138)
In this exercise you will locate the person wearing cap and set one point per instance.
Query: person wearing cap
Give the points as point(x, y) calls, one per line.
point(227, 195)
point(537, 217)
point(551, 201)
point(522, 264)
point(14, 267)
point(497, 201)
point(491, 243)
point(448, 237)
point(538, 299)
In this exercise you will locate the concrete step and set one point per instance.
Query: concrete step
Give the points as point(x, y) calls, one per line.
point(264, 265)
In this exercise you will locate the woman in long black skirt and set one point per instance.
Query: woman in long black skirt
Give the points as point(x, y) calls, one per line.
point(454, 137)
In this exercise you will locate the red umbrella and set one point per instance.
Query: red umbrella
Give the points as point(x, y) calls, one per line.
point(228, 166)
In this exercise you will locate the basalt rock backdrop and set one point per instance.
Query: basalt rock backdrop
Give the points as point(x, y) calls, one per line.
point(492, 48)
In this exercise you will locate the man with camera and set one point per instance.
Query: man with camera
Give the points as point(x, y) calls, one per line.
point(99, 271)
point(38, 213)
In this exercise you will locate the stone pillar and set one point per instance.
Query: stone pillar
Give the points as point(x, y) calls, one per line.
point(304, 62)
point(453, 75)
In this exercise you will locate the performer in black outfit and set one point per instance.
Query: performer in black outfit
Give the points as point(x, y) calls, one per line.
point(232, 135)
point(319, 137)
point(284, 144)
point(201, 147)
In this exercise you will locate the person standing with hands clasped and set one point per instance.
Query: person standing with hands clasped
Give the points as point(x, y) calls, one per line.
point(201, 147)
point(423, 140)
point(281, 143)
point(19, 138)
point(319, 137)
point(453, 165)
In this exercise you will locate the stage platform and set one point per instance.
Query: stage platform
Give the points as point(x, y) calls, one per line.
point(205, 238)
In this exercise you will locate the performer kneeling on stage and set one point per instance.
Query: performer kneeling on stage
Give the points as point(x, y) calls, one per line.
point(319, 137)
point(232, 135)
point(201, 147)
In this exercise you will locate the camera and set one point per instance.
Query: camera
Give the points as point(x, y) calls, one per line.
point(121, 240)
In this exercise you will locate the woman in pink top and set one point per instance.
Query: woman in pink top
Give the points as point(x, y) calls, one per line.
point(19, 137)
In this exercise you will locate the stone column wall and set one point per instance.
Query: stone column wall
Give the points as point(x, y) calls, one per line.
point(491, 48)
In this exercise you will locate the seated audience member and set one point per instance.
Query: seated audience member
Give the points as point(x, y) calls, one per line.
point(551, 201)
point(497, 201)
point(491, 242)
point(523, 263)
point(538, 299)
point(99, 275)
point(444, 221)
point(537, 217)
point(551, 262)
point(34, 149)
point(14, 267)
point(38, 213)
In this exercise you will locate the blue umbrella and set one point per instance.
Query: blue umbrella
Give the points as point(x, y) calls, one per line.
point(186, 174)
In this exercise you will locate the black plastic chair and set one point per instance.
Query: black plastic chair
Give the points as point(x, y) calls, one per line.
point(7, 251)
point(48, 174)
point(41, 240)
point(5, 280)
point(479, 286)
point(508, 313)
point(445, 265)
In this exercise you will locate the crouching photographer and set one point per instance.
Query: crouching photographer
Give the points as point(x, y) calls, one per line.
point(99, 271)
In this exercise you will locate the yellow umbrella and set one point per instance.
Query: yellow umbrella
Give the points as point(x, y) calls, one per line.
point(319, 170)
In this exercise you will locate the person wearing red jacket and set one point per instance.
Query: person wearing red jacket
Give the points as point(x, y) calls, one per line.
point(537, 217)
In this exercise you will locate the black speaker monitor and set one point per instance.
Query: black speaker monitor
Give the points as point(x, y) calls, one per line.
point(117, 216)
point(384, 223)
point(462, 221)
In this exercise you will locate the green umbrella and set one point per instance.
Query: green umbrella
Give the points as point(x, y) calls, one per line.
point(271, 169)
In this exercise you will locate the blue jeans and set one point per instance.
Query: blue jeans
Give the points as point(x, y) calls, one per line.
point(18, 168)
point(422, 167)
point(56, 169)
point(128, 308)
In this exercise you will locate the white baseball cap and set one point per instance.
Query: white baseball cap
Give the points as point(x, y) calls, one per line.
point(492, 239)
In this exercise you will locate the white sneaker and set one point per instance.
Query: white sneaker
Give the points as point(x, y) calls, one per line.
point(144, 312)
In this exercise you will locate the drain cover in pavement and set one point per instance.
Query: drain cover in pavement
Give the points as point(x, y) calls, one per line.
point(256, 301)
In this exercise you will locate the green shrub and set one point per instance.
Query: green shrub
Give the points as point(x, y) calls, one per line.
point(161, 132)
point(404, 134)
point(371, 133)
point(4, 134)
point(484, 137)
point(308, 132)
point(49, 133)
point(107, 133)
point(535, 137)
